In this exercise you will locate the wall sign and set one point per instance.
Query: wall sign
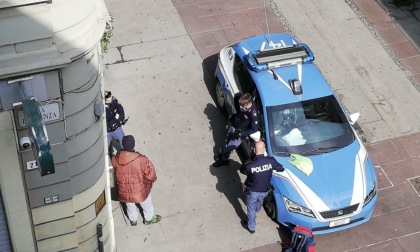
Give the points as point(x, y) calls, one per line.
point(100, 202)
point(49, 112)
point(31, 165)
point(51, 199)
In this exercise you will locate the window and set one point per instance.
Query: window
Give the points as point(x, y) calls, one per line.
point(17, 3)
point(260, 112)
point(308, 127)
point(242, 77)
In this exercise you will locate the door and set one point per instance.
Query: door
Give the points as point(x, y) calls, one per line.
point(5, 244)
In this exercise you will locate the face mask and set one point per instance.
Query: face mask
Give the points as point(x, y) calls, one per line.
point(244, 109)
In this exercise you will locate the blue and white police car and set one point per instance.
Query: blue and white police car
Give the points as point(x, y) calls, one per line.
point(300, 116)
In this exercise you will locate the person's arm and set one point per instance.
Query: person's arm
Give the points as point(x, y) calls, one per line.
point(120, 111)
point(114, 163)
point(243, 169)
point(232, 119)
point(108, 117)
point(277, 166)
point(253, 127)
point(149, 171)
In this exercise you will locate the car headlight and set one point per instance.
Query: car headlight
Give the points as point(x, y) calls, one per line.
point(296, 208)
point(371, 194)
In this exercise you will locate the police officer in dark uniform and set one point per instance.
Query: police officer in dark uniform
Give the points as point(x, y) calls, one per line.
point(241, 124)
point(257, 184)
point(115, 118)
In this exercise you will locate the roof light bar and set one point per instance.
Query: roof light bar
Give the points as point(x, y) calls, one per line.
point(280, 54)
point(277, 57)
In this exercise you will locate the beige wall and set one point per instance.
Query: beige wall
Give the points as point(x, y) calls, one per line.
point(42, 36)
point(63, 47)
point(13, 189)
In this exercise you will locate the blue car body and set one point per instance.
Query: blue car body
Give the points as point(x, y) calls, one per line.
point(300, 115)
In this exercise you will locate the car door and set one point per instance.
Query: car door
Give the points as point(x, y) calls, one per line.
point(225, 75)
point(260, 111)
point(242, 77)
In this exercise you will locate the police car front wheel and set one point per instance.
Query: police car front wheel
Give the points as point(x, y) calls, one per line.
point(270, 206)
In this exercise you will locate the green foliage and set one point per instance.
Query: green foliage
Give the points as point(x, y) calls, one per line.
point(106, 37)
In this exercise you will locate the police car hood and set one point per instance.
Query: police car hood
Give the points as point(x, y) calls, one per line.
point(125, 157)
point(337, 179)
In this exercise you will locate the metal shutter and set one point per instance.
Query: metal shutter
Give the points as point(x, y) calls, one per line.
point(5, 244)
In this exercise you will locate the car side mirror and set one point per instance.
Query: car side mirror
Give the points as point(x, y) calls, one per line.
point(353, 118)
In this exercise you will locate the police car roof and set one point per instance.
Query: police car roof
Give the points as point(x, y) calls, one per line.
point(275, 92)
point(278, 91)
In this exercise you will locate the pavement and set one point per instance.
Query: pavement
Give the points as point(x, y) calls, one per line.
point(161, 63)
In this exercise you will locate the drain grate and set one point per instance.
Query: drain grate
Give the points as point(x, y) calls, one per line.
point(415, 182)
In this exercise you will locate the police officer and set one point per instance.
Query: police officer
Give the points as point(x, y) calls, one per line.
point(115, 118)
point(257, 184)
point(241, 124)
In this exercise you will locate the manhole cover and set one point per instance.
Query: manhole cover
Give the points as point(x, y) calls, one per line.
point(415, 182)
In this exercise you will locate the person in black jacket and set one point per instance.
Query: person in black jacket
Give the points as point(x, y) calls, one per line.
point(115, 118)
point(257, 184)
point(241, 124)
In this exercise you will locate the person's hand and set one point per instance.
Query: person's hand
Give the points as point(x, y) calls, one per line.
point(237, 134)
point(229, 120)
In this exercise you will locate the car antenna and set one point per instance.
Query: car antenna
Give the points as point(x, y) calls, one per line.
point(266, 21)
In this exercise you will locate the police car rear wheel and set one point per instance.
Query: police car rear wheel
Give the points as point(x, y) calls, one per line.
point(220, 97)
point(270, 206)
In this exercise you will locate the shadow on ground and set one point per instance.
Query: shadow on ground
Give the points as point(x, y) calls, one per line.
point(229, 183)
point(217, 125)
point(209, 67)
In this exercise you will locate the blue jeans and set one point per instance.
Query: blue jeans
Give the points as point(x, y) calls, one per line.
point(231, 144)
point(254, 202)
point(117, 134)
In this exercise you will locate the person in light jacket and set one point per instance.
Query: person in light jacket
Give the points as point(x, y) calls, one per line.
point(135, 175)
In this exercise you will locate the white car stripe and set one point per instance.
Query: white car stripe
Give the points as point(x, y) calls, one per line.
point(280, 79)
point(359, 188)
point(315, 203)
point(311, 199)
point(299, 68)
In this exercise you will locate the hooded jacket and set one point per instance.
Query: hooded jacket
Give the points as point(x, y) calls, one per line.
point(134, 174)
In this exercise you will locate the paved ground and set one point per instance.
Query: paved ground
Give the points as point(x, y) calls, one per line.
point(160, 65)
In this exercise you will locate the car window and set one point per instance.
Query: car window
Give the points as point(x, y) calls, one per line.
point(242, 77)
point(258, 105)
point(309, 127)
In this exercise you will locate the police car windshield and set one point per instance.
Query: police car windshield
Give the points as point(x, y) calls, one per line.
point(311, 127)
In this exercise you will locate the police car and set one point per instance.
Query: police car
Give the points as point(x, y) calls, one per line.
point(300, 117)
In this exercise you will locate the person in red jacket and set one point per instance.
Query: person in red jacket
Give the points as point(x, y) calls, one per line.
point(135, 175)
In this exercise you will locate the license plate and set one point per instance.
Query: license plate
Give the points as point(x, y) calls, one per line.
point(339, 222)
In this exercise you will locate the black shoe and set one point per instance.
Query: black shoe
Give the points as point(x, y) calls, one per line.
point(245, 225)
point(221, 162)
point(133, 223)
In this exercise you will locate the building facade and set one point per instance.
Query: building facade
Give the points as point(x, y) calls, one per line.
point(54, 181)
